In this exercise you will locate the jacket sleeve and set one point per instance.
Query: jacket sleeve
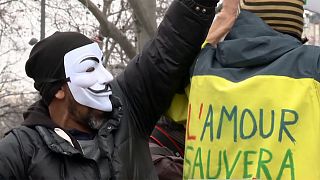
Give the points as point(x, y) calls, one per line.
point(151, 78)
point(11, 161)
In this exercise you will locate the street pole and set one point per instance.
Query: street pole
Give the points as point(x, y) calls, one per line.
point(43, 19)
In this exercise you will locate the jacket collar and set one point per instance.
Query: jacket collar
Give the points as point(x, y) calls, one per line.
point(58, 143)
point(38, 115)
point(251, 42)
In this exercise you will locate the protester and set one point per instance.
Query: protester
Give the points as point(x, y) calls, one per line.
point(167, 148)
point(87, 124)
point(254, 99)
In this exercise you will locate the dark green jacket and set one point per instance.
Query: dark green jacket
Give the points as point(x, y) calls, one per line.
point(254, 107)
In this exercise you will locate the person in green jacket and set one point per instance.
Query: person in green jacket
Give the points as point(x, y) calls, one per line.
point(254, 99)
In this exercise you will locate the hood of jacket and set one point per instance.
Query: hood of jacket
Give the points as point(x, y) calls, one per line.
point(38, 115)
point(251, 42)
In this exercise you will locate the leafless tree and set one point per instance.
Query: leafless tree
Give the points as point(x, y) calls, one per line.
point(122, 27)
point(14, 98)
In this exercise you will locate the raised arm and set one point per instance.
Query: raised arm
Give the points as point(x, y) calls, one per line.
point(224, 21)
point(151, 78)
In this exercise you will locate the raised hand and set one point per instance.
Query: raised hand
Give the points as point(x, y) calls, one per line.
point(223, 21)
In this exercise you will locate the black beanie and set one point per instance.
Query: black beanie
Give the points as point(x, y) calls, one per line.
point(46, 61)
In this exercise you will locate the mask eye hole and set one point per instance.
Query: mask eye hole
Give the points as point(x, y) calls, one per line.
point(90, 69)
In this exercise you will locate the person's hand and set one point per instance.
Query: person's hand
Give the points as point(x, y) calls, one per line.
point(223, 21)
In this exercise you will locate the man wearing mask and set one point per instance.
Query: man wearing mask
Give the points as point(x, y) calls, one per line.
point(89, 125)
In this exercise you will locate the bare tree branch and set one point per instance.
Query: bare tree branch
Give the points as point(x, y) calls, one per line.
point(6, 2)
point(110, 29)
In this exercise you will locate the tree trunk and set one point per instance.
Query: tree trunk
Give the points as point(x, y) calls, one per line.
point(145, 12)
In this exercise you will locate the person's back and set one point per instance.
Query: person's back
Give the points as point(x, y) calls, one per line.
point(254, 103)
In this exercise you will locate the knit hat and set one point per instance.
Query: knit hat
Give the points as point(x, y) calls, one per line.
point(285, 16)
point(46, 61)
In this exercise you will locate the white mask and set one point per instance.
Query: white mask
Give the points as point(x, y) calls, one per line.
point(89, 80)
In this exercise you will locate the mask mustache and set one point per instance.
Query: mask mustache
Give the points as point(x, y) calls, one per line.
point(107, 88)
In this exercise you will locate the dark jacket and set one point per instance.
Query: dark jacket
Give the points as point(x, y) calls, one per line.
point(167, 149)
point(254, 107)
point(145, 88)
point(168, 165)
